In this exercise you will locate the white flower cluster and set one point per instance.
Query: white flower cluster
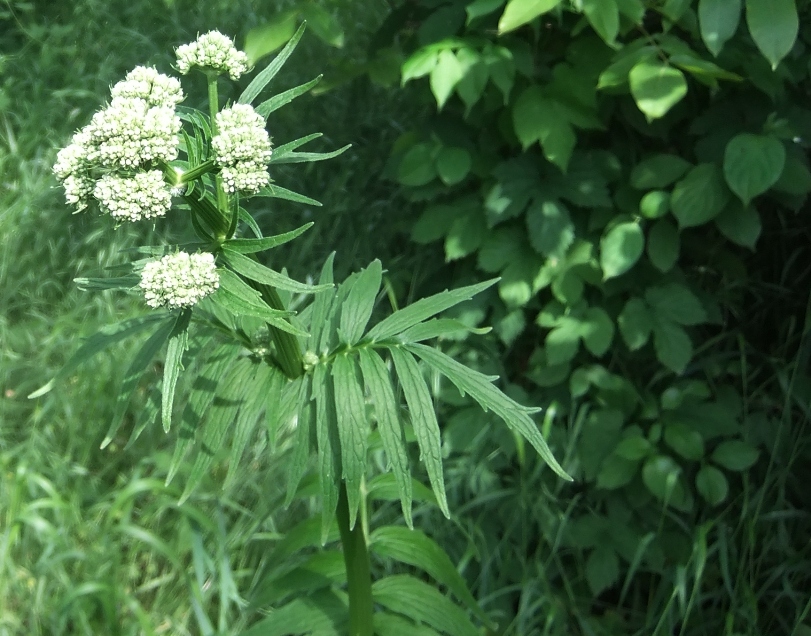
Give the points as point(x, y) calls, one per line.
point(179, 280)
point(137, 129)
point(214, 51)
point(71, 168)
point(146, 83)
point(242, 148)
point(143, 196)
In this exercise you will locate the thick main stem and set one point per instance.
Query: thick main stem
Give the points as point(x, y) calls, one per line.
point(358, 571)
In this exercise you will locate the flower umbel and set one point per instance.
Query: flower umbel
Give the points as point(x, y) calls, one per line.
point(179, 280)
point(144, 82)
point(72, 170)
point(143, 196)
point(242, 147)
point(214, 51)
point(130, 133)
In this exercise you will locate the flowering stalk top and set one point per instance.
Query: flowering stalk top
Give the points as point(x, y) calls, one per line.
point(213, 51)
point(179, 280)
point(242, 148)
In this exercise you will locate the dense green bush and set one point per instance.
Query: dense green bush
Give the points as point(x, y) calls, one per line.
point(636, 173)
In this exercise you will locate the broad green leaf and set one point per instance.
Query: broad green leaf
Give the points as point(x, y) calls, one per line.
point(718, 20)
point(329, 446)
point(417, 166)
point(98, 284)
point(597, 330)
point(662, 477)
point(415, 548)
point(658, 171)
point(358, 306)
point(519, 12)
point(320, 614)
point(735, 455)
point(302, 406)
point(423, 309)
point(134, 373)
point(232, 296)
point(253, 270)
point(481, 389)
point(445, 76)
point(423, 419)
point(685, 441)
point(620, 249)
point(438, 327)
point(634, 10)
point(550, 227)
point(700, 196)
point(753, 164)
point(378, 384)
point(453, 164)
point(654, 204)
point(321, 307)
point(98, 342)
point(635, 323)
point(324, 25)
point(478, 8)
point(796, 177)
point(602, 569)
point(421, 63)
point(282, 404)
point(656, 87)
point(634, 447)
point(740, 224)
point(465, 236)
point(396, 625)
point(212, 373)
point(307, 157)
point(269, 72)
point(332, 321)
point(384, 487)
point(616, 471)
point(604, 17)
point(279, 192)
point(712, 485)
point(422, 603)
point(254, 401)
point(251, 246)
point(282, 99)
point(663, 245)
point(178, 343)
point(675, 302)
point(217, 422)
point(773, 25)
point(563, 342)
point(290, 146)
point(536, 118)
point(673, 346)
point(353, 428)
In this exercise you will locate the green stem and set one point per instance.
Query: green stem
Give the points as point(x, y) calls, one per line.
point(358, 572)
point(287, 349)
point(213, 109)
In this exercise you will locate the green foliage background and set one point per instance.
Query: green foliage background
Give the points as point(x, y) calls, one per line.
point(636, 173)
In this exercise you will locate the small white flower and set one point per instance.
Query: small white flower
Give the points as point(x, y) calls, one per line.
point(130, 133)
point(143, 196)
point(242, 148)
point(215, 51)
point(72, 170)
point(179, 280)
point(146, 83)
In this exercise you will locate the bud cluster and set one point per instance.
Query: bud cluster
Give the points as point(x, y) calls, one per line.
point(213, 51)
point(242, 148)
point(179, 280)
point(124, 141)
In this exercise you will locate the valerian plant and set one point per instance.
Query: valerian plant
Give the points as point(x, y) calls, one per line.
point(323, 375)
